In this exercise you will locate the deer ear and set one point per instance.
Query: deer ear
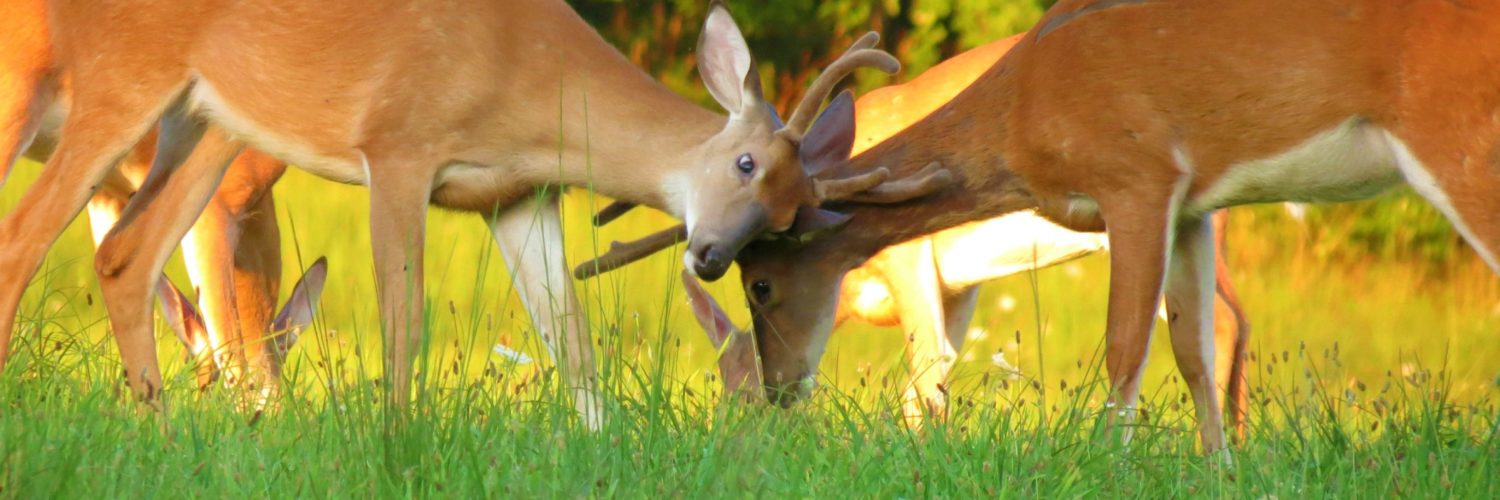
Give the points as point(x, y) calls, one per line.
point(830, 139)
point(707, 311)
point(725, 63)
point(180, 314)
point(812, 222)
point(297, 313)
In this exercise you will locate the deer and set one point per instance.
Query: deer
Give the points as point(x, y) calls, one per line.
point(475, 106)
point(232, 251)
point(1141, 117)
point(928, 286)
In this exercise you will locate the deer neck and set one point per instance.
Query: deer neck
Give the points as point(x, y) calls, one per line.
point(597, 120)
point(965, 139)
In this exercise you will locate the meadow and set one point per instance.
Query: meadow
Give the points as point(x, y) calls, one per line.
point(1372, 373)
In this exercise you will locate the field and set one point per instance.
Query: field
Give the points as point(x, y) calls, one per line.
point(1373, 374)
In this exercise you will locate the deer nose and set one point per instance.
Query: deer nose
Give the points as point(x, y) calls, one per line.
point(710, 263)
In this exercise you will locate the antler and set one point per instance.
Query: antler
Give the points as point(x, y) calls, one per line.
point(611, 212)
point(622, 253)
point(873, 186)
point(857, 56)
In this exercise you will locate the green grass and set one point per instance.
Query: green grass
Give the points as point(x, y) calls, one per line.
point(1371, 375)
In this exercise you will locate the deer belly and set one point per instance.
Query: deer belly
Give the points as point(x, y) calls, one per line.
point(1352, 161)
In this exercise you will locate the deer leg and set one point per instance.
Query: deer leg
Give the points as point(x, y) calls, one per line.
point(1190, 309)
point(232, 254)
point(530, 236)
point(398, 213)
point(912, 277)
point(99, 131)
point(130, 259)
point(1140, 228)
point(1231, 334)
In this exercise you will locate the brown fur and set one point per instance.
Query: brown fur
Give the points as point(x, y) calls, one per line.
point(472, 105)
point(234, 250)
point(1082, 114)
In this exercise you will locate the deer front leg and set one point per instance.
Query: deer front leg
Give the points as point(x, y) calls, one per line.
point(1139, 229)
point(398, 213)
point(131, 257)
point(911, 274)
point(530, 236)
point(1190, 310)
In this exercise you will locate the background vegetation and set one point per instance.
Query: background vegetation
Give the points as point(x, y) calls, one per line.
point(1374, 368)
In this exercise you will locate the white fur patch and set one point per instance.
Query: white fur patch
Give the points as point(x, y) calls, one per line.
point(1345, 163)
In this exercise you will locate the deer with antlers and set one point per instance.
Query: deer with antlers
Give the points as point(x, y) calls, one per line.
point(232, 251)
point(478, 106)
point(928, 286)
point(1332, 101)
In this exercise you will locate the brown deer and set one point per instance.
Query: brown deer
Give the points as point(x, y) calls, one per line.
point(1143, 117)
point(928, 286)
point(479, 106)
point(232, 251)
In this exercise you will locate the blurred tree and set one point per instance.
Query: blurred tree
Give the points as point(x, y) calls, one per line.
point(793, 39)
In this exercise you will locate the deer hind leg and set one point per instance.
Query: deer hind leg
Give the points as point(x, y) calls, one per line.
point(911, 275)
point(1190, 306)
point(26, 89)
point(530, 236)
point(101, 128)
point(1231, 334)
point(130, 259)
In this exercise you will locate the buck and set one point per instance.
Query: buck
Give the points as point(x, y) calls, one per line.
point(928, 286)
point(232, 251)
point(1144, 117)
point(478, 106)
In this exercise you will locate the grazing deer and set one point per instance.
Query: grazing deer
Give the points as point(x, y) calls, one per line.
point(193, 331)
point(1144, 116)
point(928, 286)
point(232, 251)
point(479, 106)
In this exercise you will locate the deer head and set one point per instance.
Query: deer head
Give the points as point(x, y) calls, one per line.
point(757, 171)
point(738, 366)
point(182, 316)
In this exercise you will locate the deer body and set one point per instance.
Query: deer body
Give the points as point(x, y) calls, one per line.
point(1147, 136)
point(480, 106)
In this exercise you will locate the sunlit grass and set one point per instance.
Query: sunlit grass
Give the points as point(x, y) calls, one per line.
point(1369, 377)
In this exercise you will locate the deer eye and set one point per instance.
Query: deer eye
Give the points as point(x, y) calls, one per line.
point(745, 163)
point(760, 290)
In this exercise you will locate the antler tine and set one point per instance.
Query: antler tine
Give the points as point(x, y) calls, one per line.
point(611, 212)
point(826, 190)
point(622, 253)
point(930, 179)
point(859, 55)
